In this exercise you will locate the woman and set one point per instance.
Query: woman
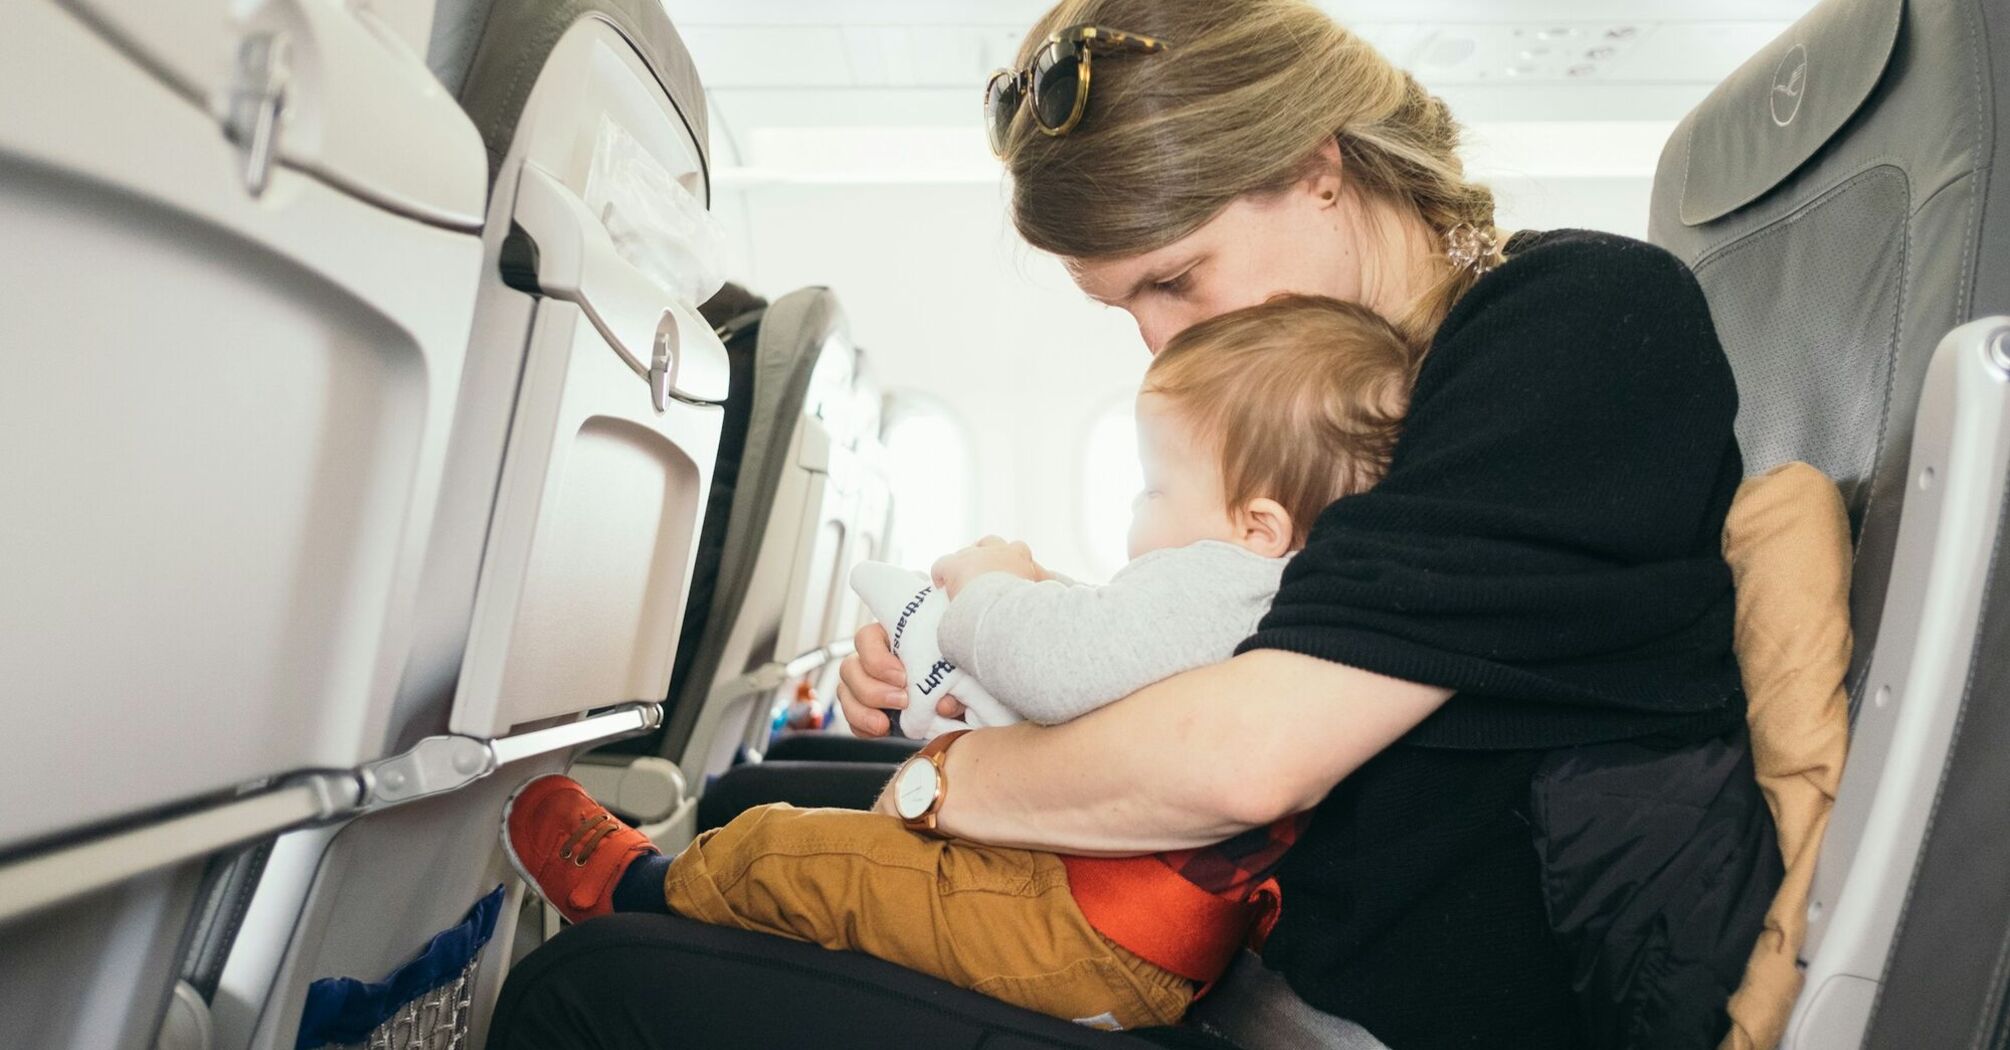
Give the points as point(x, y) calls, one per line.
point(1484, 677)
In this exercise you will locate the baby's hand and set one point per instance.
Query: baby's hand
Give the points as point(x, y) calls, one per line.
point(990, 554)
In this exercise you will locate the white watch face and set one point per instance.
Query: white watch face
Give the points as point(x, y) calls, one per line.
point(914, 788)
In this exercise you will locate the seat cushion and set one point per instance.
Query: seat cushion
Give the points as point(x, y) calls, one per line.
point(1788, 544)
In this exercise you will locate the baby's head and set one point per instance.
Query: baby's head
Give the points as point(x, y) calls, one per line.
point(1251, 423)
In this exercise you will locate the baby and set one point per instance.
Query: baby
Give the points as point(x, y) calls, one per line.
point(1249, 425)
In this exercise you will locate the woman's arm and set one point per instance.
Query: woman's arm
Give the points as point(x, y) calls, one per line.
point(1189, 761)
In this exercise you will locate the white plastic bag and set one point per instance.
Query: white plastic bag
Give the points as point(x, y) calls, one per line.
point(655, 223)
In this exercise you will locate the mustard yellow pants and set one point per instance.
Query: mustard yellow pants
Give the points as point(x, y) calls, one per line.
point(997, 921)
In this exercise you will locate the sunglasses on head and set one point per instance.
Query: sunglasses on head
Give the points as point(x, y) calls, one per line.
point(1057, 80)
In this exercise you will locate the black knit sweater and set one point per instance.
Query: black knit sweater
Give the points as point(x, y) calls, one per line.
point(1546, 543)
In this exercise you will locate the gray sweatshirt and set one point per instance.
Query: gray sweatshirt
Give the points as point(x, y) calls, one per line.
point(1057, 650)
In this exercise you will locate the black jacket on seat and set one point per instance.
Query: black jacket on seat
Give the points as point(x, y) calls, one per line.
point(1658, 865)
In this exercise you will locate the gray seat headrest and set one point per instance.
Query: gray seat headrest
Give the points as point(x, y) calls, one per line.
point(1781, 107)
point(489, 53)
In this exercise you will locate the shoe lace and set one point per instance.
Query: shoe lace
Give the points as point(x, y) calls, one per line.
point(587, 837)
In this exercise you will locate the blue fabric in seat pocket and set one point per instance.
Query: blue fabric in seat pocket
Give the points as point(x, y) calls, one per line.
point(344, 1010)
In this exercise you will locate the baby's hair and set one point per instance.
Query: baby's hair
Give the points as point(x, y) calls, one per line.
point(1302, 397)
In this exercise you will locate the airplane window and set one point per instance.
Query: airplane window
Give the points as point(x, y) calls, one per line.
point(1111, 480)
point(929, 466)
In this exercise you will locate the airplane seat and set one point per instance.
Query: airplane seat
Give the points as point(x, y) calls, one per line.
point(844, 396)
point(586, 426)
point(243, 245)
point(769, 625)
point(740, 332)
point(804, 756)
point(626, 774)
point(1837, 198)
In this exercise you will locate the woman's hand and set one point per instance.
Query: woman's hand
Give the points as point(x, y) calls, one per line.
point(989, 554)
point(872, 682)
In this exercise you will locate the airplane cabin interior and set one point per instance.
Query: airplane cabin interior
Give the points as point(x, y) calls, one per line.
point(408, 399)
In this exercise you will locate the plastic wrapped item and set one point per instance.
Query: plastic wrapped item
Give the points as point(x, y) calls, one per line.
point(657, 225)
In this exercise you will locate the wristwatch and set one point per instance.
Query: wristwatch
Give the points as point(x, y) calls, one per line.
point(920, 785)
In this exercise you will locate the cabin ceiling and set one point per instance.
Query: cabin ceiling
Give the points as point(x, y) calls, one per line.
point(889, 89)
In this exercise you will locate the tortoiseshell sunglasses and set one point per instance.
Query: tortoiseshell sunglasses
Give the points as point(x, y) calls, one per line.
point(1057, 80)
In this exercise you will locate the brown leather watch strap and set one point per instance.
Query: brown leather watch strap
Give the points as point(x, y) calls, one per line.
point(933, 753)
point(938, 745)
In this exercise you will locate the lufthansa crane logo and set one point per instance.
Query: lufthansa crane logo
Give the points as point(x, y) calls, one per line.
point(1790, 85)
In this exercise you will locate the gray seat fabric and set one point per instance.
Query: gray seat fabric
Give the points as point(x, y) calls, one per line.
point(1253, 1008)
point(1837, 199)
point(1830, 196)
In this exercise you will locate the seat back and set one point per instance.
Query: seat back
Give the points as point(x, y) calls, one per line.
point(798, 498)
point(605, 770)
point(808, 501)
point(1835, 198)
point(243, 244)
point(587, 423)
point(782, 539)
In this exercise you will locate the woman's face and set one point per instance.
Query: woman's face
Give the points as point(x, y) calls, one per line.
point(1301, 239)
